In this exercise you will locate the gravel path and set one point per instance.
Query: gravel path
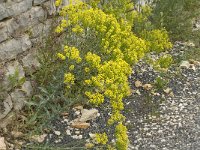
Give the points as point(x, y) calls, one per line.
point(167, 122)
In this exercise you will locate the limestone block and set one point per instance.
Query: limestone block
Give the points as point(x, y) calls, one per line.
point(11, 48)
point(13, 8)
point(30, 62)
point(2, 143)
point(32, 17)
point(38, 2)
point(3, 32)
point(27, 88)
point(41, 29)
point(18, 99)
point(7, 28)
point(13, 67)
point(3, 13)
point(7, 106)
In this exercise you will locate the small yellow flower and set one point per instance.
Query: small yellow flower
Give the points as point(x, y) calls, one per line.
point(87, 69)
point(71, 67)
point(69, 78)
point(61, 56)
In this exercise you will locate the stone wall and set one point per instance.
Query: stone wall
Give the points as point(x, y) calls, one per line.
point(22, 24)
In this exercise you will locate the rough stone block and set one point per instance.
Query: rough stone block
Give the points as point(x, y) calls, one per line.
point(32, 17)
point(11, 48)
point(30, 62)
point(18, 99)
point(11, 69)
point(12, 8)
point(7, 28)
point(27, 88)
point(7, 107)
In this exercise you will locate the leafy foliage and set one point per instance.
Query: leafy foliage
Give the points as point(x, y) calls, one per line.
point(177, 16)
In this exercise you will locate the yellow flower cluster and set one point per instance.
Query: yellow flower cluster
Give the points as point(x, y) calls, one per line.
point(71, 67)
point(72, 53)
point(93, 59)
point(116, 117)
point(96, 98)
point(61, 56)
point(101, 138)
point(58, 2)
point(117, 39)
point(157, 40)
point(69, 79)
point(121, 137)
point(77, 29)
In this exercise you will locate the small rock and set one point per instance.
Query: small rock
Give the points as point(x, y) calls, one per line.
point(65, 120)
point(78, 107)
point(187, 65)
point(75, 137)
point(147, 87)
point(57, 132)
point(138, 92)
point(77, 132)
point(192, 61)
point(92, 135)
point(68, 132)
point(77, 113)
point(64, 114)
point(39, 138)
point(167, 90)
point(171, 94)
point(80, 125)
point(138, 84)
point(80, 137)
point(2, 143)
point(17, 134)
point(88, 115)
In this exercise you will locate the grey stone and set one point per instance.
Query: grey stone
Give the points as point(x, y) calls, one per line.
point(11, 70)
point(7, 107)
point(32, 17)
point(27, 88)
point(2, 143)
point(30, 62)
point(11, 48)
point(88, 115)
point(12, 8)
point(13, 67)
point(18, 99)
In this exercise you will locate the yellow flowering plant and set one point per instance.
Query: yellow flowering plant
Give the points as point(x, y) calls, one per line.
point(99, 52)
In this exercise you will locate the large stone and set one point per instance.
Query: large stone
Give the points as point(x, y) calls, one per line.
point(27, 88)
point(7, 107)
point(2, 143)
point(15, 70)
point(32, 17)
point(14, 67)
point(11, 48)
point(30, 62)
point(7, 28)
point(19, 99)
point(13, 8)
